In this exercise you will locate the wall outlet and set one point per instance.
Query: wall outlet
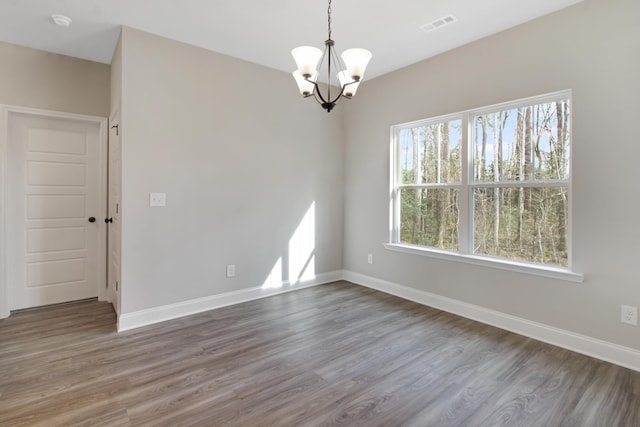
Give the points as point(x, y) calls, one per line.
point(157, 200)
point(370, 258)
point(231, 270)
point(629, 314)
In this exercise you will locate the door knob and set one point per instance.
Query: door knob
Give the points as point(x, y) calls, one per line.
point(108, 220)
point(92, 219)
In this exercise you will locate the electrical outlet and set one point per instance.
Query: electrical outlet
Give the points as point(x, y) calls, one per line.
point(370, 258)
point(629, 314)
point(231, 270)
point(157, 200)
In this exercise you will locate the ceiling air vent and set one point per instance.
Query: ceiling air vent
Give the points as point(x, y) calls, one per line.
point(438, 23)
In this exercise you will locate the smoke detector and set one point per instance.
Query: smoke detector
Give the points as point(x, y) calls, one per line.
point(61, 20)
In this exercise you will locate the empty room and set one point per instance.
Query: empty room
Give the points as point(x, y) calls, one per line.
point(315, 213)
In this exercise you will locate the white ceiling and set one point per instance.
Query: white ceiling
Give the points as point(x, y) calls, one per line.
point(264, 31)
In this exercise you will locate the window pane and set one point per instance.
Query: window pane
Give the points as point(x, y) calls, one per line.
point(430, 154)
point(522, 144)
point(429, 217)
point(528, 224)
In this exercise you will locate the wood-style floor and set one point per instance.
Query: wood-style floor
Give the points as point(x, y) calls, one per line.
point(336, 354)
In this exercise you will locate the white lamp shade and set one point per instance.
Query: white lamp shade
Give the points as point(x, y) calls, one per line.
point(349, 84)
point(307, 58)
point(356, 61)
point(304, 86)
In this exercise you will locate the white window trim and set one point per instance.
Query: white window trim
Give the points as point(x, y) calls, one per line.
point(491, 262)
point(463, 254)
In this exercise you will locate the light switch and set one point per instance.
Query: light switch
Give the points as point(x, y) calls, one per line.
point(157, 199)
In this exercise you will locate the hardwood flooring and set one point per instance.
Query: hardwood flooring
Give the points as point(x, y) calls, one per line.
point(337, 354)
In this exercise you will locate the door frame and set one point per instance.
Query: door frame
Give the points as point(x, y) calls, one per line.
point(113, 293)
point(5, 112)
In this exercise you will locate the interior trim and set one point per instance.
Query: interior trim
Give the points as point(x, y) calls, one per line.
point(593, 347)
point(490, 262)
point(153, 315)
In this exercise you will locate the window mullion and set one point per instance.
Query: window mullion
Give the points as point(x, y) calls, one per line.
point(519, 184)
point(465, 223)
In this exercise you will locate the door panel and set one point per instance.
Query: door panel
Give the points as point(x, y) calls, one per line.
point(55, 239)
point(56, 174)
point(54, 177)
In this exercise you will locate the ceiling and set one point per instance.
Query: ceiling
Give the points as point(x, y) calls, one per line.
point(264, 32)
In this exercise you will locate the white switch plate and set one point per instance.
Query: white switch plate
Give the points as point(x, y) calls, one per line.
point(370, 258)
point(157, 199)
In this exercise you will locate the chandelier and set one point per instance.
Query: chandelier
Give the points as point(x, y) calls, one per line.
point(349, 73)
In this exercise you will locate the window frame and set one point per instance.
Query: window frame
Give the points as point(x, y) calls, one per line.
point(466, 188)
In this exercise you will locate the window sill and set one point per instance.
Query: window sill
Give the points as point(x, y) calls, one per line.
point(499, 263)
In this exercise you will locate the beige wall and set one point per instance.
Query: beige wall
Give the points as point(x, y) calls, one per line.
point(116, 77)
point(241, 158)
point(592, 48)
point(38, 79)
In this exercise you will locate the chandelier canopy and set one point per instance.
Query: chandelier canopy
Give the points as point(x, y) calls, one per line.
point(349, 71)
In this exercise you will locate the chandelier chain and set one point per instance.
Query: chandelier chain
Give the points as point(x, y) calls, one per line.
point(329, 19)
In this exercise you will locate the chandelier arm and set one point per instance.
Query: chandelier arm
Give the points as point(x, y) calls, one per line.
point(329, 71)
point(337, 98)
point(316, 92)
point(330, 101)
point(336, 60)
point(318, 95)
point(326, 104)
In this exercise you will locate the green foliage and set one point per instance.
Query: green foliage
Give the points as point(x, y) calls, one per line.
point(429, 217)
point(507, 228)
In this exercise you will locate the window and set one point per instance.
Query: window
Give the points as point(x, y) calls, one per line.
point(492, 183)
point(429, 181)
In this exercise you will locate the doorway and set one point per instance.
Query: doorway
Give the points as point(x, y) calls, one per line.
point(54, 181)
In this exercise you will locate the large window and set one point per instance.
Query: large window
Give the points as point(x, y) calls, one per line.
point(491, 182)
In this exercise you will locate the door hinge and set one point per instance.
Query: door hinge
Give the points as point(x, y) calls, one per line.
point(116, 285)
point(116, 128)
point(117, 206)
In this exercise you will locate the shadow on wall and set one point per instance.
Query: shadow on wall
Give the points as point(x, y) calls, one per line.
point(298, 264)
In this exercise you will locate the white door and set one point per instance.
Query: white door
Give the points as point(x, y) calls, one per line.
point(115, 209)
point(52, 195)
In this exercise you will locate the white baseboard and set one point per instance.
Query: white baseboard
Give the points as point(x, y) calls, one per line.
point(172, 311)
point(603, 350)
